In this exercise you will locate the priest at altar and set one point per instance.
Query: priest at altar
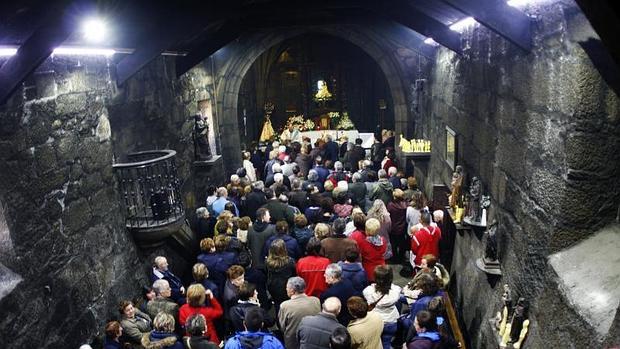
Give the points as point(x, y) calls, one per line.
point(291, 134)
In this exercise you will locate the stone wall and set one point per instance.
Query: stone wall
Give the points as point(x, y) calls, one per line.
point(64, 235)
point(542, 131)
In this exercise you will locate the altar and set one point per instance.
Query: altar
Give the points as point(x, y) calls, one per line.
point(367, 138)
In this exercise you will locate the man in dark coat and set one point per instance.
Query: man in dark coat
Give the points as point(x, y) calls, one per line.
point(255, 199)
point(320, 169)
point(278, 210)
point(260, 231)
point(314, 331)
point(298, 197)
point(331, 149)
point(357, 191)
point(340, 288)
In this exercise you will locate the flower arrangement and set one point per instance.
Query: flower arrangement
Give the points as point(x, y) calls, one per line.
point(333, 114)
point(309, 125)
point(345, 122)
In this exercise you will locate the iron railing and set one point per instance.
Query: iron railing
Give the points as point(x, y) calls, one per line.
point(150, 189)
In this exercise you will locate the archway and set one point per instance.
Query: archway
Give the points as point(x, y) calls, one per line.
point(239, 57)
point(287, 75)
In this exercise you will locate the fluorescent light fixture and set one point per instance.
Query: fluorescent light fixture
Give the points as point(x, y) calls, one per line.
point(86, 51)
point(463, 24)
point(7, 51)
point(524, 3)
point(430, 41)
point(94, 30)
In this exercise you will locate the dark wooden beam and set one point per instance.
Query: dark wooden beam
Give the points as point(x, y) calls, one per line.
point(172, 25)
point(54, 29)
point(210, 44)
point(501, 18)
point(401, 12)
point(604, 54)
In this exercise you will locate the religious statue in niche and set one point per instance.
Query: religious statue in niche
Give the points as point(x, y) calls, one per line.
point(475, 192)
point(489, 262)
point(267, 133)
point(202, 150)
point(456, 185)
point(322, 93)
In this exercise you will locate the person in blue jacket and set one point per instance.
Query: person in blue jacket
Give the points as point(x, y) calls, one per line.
point(253, 337)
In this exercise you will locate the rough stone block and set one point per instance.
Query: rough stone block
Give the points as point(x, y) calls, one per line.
point(592, 287)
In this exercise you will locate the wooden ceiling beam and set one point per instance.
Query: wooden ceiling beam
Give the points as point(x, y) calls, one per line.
point(54, 29)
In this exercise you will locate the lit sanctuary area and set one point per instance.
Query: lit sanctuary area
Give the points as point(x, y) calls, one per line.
point(309, 174)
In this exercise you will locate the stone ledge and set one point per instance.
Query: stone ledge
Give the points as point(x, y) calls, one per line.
point(588, 277)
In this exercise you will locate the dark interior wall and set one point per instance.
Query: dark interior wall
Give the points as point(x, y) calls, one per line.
point(542, 131)
point(64, 235)
point(155, 110)
point(355, 80)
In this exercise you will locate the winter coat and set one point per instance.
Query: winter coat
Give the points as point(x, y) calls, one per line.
point(253, 340)
point(292, 247)
point(366, 332)
point(154, 306)
point(302, 235)
point(335, 248)
point(357, 192)
point(253, 201)
point(279, 211)
point(425, 340)
point(331, 151)
point(312, 270)
point(276, 280)
point(237, 316)
point(217, 263)
point(314, 331)
point(161, 340)
point(134, 329)
point(199, 342)
point(343, 290)
point(386, 306)
point(173, 280)
point(322, 172)
point(356, 274)
point(383, 191)
point(212, 312)
point(395, 181)
point(398, 212)
point(298, 199)
point(372, 250)
point(257, 235)
point(292, 312)
point(111, 344)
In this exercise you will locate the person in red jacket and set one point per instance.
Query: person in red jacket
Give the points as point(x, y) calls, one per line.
point(426, 239)
point(312, 268)
point(196, 296)
point(372, 248)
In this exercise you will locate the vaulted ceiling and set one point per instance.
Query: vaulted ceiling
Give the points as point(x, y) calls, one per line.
point(196, 29)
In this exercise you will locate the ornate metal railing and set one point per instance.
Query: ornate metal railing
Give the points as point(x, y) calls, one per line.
point(150, 193)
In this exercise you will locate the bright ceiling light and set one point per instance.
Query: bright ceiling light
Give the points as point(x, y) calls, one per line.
point(7, 51)
point(89, 51)
point(94, 30)
point(463, 24)
point(430, 41)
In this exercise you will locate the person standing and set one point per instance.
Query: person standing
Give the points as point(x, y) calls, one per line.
point(295, 309)
point(366, 327)
point(315, 331)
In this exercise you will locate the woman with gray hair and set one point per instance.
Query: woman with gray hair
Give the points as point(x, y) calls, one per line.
point(196, 326)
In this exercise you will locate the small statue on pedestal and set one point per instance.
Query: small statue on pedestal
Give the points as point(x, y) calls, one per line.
point(515, 332)
point(456, 186)
point(475, 192)
point(202, 150)
point(502, 317)
point(489, 263)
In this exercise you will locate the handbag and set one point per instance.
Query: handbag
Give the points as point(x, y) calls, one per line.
point(374, 304)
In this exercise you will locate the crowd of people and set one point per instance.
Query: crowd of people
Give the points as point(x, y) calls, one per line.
point(298, 251)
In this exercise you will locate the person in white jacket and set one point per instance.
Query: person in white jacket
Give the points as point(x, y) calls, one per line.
point(383, 296)
point(250, 171)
